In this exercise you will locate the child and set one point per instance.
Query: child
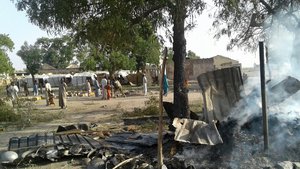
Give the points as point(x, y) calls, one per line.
point(108, 89)
point(51, 97)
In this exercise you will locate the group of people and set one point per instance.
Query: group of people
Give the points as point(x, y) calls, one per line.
point(62, 94)
point(106, 87)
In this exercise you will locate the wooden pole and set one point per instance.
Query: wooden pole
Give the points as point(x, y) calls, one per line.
point(160, 126)
point(263, 96)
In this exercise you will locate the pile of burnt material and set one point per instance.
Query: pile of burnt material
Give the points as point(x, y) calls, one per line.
point(242, 135)
point(283, 90)
point(114, 150)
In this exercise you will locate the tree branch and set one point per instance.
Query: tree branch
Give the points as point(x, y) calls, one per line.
point(147, 13)
point(268, 7)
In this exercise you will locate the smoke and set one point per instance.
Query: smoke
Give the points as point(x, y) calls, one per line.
point(246, 150)
point(283, 94)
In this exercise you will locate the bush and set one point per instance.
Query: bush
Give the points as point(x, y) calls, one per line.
point(151, 109)
point(7, 113)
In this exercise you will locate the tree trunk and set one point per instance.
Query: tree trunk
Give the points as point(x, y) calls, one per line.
point(181, 108)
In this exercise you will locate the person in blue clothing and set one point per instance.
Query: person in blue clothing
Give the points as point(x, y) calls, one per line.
point(165, 85)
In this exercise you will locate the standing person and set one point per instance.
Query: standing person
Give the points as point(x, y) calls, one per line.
point(62, 94)
point(165, 85)
point(88, 87)
point(97, 87)
point(145, 84)
point(186, 85)
point(51, 97)
point(103, 85)
point(41, 87)
point(26, 91)
point(108, 89)
point(47, 91)
point(35, 88)
point(13, 91)
point(8, 91)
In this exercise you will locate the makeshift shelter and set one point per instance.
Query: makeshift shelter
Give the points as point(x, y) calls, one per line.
point(80, 78)
point(54, 80)
point(40, 79)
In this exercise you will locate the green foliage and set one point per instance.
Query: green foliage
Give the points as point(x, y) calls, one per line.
point(41, 116)
point(146, 51)
point(7, 113)
point(89, 64)
point(147, 111)
point(32, 57)
point(116, 60)
point(110, 25)
point(6, 44)
point(57, 52)
point(245, 22)
point(153, 101)
point(192, 55)
point(151, 109)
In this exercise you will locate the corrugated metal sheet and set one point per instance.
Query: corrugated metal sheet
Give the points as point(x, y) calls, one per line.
point(196, 131)
point(51, 141)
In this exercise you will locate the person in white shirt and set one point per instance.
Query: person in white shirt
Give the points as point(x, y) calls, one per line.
point(47, 91)
point(13, 91)
point(103, 84)
point(145, 84)
point(88, 87)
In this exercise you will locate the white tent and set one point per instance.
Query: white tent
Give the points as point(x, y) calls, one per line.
point(39, 78)
point(54, 79)
point(80, 78)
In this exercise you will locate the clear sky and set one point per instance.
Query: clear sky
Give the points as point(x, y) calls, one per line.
point(199, 40)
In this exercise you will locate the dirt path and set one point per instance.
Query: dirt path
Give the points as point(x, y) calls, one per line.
point(85, 110)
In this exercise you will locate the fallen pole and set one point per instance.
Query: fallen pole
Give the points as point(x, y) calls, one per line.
point(160, 126)
point(263, 96)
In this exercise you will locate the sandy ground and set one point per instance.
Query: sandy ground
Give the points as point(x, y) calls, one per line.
point(86, 110)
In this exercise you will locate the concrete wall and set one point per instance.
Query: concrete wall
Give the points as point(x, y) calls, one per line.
point(221, 62)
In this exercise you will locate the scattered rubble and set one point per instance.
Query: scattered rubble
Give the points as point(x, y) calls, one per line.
point(228, 143)
point(195, 131)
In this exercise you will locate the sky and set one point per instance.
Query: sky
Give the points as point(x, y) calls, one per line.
point(199, 40)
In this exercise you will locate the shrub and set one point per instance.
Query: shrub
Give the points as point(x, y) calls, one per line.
point(7, 113)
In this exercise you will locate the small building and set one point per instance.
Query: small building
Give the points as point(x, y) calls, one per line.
point(79, 79)
point(71, 69)
point(46, 68)
point(195, 67)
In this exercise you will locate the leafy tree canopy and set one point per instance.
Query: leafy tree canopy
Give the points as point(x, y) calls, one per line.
point(32, 57)
point(245, 22)
point(116, 61)
point(192, 55)
point(146, 51)
point(6, 44)
point(57, 52)
point(110, 24)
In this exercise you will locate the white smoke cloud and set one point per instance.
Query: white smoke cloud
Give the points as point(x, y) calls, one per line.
point(282, 105)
